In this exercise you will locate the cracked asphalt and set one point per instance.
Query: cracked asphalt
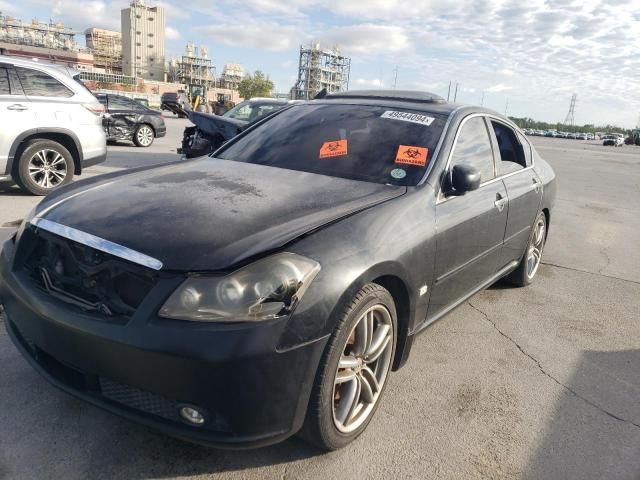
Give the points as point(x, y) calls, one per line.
point(539, 383)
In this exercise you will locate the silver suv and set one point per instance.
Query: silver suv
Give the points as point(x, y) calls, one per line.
point(50, 125)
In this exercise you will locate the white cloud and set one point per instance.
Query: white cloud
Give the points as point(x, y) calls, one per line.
point(369, 39)
point(171, 33)
point(263, 36)
point(369, 83)
point(501, 87)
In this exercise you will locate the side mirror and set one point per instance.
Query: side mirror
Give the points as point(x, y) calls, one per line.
point(465, 178)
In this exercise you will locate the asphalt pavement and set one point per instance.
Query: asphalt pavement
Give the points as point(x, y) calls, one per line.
point(540, 382)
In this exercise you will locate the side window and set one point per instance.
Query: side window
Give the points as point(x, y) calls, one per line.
point(526, 147)
point(40, 84)
point(119, 103)
point(4, 82)
point(473, 147)
point(512, 156)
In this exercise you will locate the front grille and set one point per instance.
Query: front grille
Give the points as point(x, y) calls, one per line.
point(139, 399)
point(88, 279)
point(154, 404)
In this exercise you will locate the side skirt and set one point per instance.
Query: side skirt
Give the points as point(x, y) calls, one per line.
point(504, 271)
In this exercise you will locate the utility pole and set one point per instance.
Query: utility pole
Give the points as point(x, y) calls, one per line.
point(506, 107)
point(482, 101)
point(395, 78)
point(455, 95)
point(449, 91)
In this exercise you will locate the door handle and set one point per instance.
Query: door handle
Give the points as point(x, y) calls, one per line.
point(536, 184)
point(500, 202)
point(17, 107)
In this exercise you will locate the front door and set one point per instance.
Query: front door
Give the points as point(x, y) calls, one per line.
point(470, 228)
point(122, 121)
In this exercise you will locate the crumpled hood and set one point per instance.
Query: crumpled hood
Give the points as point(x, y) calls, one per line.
point(216, 125)
point(210, 214)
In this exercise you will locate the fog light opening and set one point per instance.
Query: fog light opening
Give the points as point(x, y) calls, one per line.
point(192, 415)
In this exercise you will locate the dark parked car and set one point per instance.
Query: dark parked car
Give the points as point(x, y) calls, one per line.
point(239, 299)
point(130, 120)
point(211, 131)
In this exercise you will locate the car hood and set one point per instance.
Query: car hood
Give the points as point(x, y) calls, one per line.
point(215, 124)
point(211, 214)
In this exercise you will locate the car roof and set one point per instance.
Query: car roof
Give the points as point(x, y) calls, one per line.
point(23, 62)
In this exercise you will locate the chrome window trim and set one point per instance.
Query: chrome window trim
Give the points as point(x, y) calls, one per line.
point(97, 243)
point(436, 151)
point(513, 126)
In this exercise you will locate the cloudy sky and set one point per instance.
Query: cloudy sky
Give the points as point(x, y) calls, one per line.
point(526, 57)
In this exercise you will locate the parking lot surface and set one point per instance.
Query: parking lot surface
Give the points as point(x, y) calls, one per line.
point(539, 382)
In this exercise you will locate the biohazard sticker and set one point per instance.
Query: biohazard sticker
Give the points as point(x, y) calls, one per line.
point(408, 117)
point(410, 155)
point(336, 148)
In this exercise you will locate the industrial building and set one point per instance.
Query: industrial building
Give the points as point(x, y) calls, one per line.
point(106, 47)
point(320, 69)
point(51, 41)
point(232, 75)
point(143, 30)
point(195, 67)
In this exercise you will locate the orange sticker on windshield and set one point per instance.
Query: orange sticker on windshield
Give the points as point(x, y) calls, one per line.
point(333, 149)
point(410, 155)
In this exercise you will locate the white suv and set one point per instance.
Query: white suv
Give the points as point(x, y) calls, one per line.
point(50, 125)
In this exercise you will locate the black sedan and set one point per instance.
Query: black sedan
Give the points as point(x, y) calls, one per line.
point(129, 120)
point(238, 299)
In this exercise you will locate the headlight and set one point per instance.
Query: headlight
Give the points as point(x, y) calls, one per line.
point(266, 289)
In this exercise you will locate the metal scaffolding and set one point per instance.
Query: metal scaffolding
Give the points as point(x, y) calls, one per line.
point(106, 46)
point(319, 69)
point(195, 68)
point(37, 34)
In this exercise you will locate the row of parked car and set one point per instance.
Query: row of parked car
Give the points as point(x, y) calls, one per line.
point(608, 139)
point(556, 134)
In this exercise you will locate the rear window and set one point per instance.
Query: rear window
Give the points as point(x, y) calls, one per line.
point(369, 143)
point(40, 84)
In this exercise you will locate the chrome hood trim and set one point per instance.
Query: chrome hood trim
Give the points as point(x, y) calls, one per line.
point(97, 243)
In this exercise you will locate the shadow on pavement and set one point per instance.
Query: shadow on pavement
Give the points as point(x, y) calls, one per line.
point(595, 429)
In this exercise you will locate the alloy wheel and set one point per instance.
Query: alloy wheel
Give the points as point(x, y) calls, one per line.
point(47, 168)
point(534, 253)
point(144, 136)
point(363, 368)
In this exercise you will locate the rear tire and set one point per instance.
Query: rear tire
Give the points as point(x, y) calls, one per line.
point(43, 166)
point(353, 371)
point(528, 266)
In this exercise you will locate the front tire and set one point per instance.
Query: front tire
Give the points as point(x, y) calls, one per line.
point(528, 267)
point(353, 370)
point(44, 166)
point(143, 136)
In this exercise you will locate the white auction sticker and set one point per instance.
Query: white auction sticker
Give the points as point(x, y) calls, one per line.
point(408, 117)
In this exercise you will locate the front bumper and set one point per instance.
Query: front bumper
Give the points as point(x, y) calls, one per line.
point(251, 393)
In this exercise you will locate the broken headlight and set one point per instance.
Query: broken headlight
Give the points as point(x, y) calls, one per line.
point(265, 289)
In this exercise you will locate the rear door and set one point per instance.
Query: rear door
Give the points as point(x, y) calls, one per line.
point(50, 98)
point(470, 227)
point(16, 114)
point(524, 188)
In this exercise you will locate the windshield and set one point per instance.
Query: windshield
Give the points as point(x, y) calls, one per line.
point(369, 143)
point(251, 111)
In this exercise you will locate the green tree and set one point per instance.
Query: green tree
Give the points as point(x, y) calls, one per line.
point(258, 85)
